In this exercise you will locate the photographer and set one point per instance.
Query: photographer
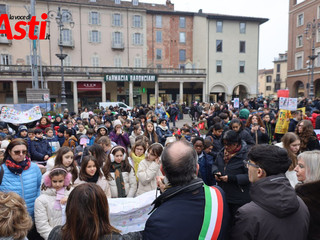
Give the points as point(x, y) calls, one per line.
point(257, 129)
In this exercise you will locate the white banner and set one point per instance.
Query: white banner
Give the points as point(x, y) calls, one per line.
point(9, 114)
point(288, 103)
point(131, 214)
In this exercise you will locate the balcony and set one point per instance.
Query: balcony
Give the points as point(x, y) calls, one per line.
point(67, 44)
point(117, 46)
point(4, 40)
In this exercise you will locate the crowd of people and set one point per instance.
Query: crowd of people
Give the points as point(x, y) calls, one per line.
point(228, 174)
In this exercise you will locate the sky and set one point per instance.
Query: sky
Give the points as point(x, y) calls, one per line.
point(273, 33)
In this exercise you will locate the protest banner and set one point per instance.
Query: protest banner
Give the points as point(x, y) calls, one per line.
point(282, 124)
point(236, 103)
point(283, 93)
point(131, 214)
point(288, 103)
point(11, 115)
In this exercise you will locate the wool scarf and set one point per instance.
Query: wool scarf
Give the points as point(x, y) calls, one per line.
point(119, 179)
point(17, 167)
point(229, 155)
point(59, 196)
point(94, 178)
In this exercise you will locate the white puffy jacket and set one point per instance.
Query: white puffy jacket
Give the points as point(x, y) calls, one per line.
point(102, 182)
point(46, 217)
point(147, 173)
point(130, 184)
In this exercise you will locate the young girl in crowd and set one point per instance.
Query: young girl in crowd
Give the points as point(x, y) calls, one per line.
point(49, 206)
point(308, 138)
point(98, 152)
point(238, 126)
point(120, 174)
point(149, 169)
point(91, 172)
point(150, 132)
point(137, 154)
point(65, 158)
point(215, 136)
point(137, 131)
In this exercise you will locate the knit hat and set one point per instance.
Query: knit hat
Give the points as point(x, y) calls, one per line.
point(116, 123)
point(22, 128)
point(102, 126)
point(244, 113)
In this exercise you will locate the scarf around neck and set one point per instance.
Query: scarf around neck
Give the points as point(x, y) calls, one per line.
point(163, 128)
point(59, 196)
point(229, 155)
point(119, 179)
point(17, 167)
point(94, 178)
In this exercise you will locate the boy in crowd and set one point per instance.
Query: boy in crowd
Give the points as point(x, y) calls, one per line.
point(71, 141)
point(60, 136)
point(52, 139)
point(40, 149)
point(90, 133)
point(22, 132)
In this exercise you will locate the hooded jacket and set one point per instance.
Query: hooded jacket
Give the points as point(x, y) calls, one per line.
point(275, 212)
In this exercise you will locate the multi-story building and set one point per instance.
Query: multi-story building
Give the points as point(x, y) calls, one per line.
point(265, 85)
point(134, 52)
point(301, 15)
point(228, 47)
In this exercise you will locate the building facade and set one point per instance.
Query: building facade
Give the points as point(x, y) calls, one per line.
point(301, 15)
point(164, 55)
point(265, 85)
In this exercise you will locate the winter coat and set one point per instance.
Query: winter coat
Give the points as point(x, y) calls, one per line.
point(205, 162)
point(163, 134)
point(77, 150)
point(179, 214)
point(313, 119)
point(318, 121)
point(262, 137)
point(147, 173)
point(309, 193)
point(246, 136)
point(217, 143)
point(27, 185)
point(130, 184)
point(121, 139)
point(102, 182)
point(71, 142)
point(39, 147)
point(273, 212)
point(61, 140)
point(54, 143)
point(292, 125)
point(237, 187)
point(46, 217)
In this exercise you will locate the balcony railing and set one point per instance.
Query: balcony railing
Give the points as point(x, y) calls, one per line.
point(117, 46)
point(97, 71)
point(69, 43)
point(4, 40)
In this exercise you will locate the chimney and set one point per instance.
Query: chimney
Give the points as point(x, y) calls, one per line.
point(170, 5)
point(200, 11)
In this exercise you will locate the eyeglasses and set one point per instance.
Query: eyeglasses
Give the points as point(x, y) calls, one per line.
point(23, 152)
point(247, 163)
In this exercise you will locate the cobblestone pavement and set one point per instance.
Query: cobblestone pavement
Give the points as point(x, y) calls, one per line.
point(186, 119)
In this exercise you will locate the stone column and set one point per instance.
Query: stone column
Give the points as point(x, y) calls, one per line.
point(204, 92)
point(131, 93)
point(15, 92)
point(156, 93)
point(75, 97)
point(181, 93)
point(104, 97)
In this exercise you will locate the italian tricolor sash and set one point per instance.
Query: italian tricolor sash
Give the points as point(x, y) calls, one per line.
point(213, 213)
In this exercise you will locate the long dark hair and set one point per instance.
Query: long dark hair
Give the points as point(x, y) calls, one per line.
point(83, 175)
point(97, 151)
point(153, 133)
point(87, 214)
point(58, 161)
point(249, 121)
point(12, 144)
point(306, 135)
point(286, 140)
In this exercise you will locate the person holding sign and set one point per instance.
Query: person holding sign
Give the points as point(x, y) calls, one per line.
point(256, 128)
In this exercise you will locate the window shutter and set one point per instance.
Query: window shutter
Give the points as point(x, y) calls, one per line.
point(90, 36)
point(121, 24)
point(121, 39)
point(113, 36)
point(132, 24)
point(99, 19)
point(141, 38)
point(90, 17)
point(9, 59)
point(133, 39)
point(141, 21)
point(99, 36)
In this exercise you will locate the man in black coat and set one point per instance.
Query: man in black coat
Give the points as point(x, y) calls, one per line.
point(180, 210)
point(275, 207)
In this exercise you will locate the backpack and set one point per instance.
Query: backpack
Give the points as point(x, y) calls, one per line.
point(201, 126)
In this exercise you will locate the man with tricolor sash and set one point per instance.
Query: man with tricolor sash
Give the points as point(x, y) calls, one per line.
point(187, 208)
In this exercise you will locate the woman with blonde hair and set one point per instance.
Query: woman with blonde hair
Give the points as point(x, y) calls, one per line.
point(15, 222)
point(308, 173)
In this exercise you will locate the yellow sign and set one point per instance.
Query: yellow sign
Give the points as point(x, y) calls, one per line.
point(283, 122)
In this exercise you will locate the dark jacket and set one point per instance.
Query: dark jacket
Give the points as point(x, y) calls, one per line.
point(318, 121)
point(292, 125)
point(309, 193)
point(56, 234)
point(205, 165)
point(217, 143)
point(237, 187)
point(39, 148)
point(163, 134)
point(246, 136)
point(273, 212)
point(262, 137)
point(179, 214)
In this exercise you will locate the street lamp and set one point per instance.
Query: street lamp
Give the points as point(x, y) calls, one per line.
point(310, 32)
point(62, 18)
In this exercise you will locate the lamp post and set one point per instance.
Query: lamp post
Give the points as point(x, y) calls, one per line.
point(62, 18)
point(310, 32)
